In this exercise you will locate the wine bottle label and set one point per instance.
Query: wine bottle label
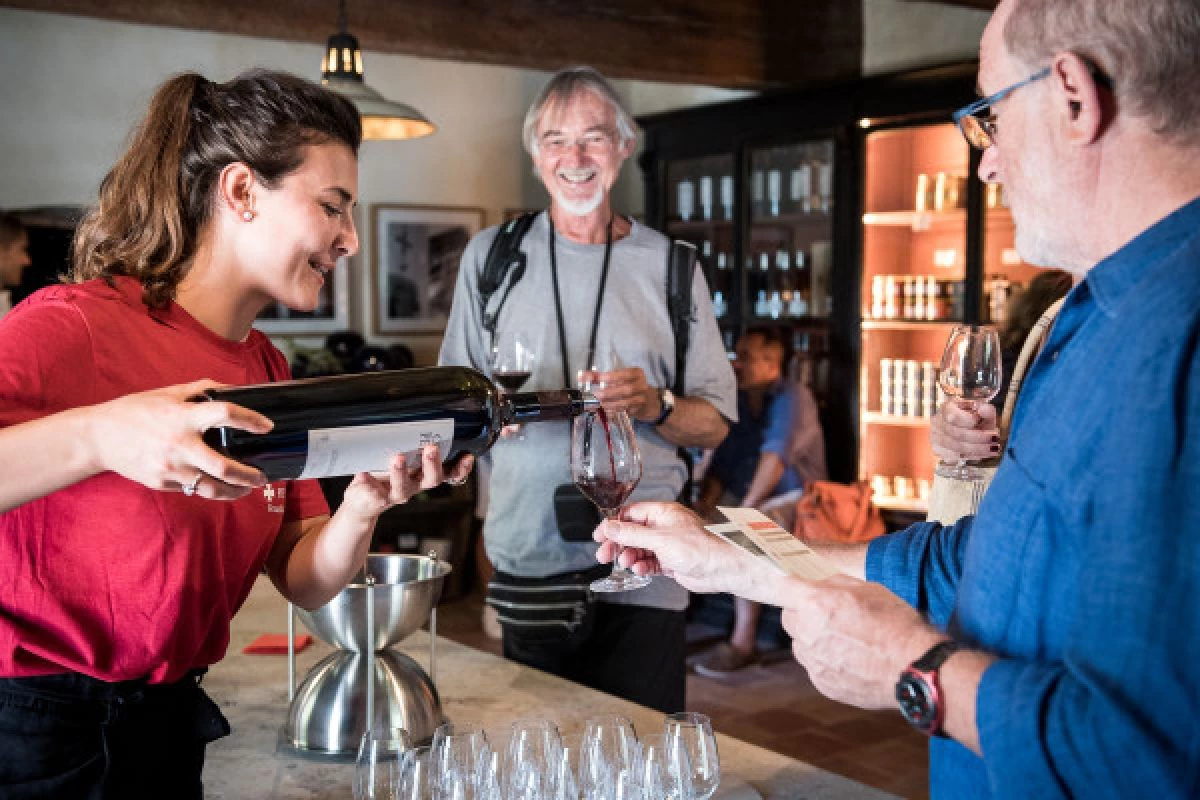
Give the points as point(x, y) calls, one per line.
point(369, 448)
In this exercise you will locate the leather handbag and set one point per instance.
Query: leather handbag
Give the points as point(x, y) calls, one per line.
point(951, 499)
point(832, 513)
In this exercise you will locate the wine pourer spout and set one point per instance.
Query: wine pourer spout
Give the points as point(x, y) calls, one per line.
point(590, 403)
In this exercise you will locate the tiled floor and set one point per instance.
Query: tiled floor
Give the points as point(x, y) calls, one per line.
point(774, 706)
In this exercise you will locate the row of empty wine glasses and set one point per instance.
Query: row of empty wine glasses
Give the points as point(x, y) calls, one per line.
point(533, 760)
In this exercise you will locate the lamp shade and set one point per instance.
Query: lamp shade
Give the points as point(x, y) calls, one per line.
point(342, 71)
point(382, 119)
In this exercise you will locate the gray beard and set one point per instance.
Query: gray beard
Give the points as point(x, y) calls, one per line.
point(580, 209)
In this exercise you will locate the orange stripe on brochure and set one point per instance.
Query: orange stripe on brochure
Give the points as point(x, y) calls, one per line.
point(763, 526)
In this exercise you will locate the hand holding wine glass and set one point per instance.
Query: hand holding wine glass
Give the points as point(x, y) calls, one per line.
point(606, 465)
point(971, 371)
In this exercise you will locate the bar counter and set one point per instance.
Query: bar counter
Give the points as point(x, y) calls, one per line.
point(477, 686)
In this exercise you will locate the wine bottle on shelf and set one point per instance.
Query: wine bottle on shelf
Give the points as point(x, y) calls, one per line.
point(346, 424)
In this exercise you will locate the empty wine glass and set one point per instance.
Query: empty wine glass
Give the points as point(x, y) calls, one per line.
point(377, 769)
point(606, 465)
point(692, 744)
point(566, 774)
point(664, 769)
point(459, 757)
point(533, 753)
point(416, 776)
point(971, 370)
point(609, 759)
point(512, 360)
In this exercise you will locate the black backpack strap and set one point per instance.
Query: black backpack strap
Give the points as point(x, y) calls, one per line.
point(681, 268)
point(504, 256)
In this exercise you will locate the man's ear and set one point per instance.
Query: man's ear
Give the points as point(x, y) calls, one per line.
point(1079, 103)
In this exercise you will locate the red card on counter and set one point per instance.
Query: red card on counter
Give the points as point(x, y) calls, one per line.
point(275, 644)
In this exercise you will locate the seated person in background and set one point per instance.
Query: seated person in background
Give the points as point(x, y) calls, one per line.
point(774, 450)
point(14, 257)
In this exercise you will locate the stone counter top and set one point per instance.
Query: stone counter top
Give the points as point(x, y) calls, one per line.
point(474, 686)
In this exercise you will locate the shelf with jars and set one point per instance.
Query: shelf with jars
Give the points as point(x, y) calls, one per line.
point(784, 189)
point(915, 224)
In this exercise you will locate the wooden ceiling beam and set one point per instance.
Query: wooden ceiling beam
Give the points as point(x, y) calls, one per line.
point(751, 44)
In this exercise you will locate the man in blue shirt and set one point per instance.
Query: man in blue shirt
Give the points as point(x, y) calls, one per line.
point(775, 448)
point(1052, 641)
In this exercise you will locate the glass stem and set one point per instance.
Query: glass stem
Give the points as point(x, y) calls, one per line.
point(613, 517)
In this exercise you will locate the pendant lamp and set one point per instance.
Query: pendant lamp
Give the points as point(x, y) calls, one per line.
point(342, 71)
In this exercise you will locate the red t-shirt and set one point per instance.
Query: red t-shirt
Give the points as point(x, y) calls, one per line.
point(106, 577)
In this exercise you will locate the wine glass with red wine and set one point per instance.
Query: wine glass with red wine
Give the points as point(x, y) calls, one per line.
point(606, 466)
point(512, 360)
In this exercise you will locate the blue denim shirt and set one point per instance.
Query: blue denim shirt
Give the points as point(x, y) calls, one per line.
point(1081, 571)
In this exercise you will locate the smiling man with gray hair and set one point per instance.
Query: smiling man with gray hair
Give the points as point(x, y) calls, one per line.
point(592, 304)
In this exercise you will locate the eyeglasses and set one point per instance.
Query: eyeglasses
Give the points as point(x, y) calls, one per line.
point(594, 143)
point(977, 121)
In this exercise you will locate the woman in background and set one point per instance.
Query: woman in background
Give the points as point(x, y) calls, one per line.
point(117, 597)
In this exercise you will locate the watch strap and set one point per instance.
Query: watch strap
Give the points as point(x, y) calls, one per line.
point(667, 401)
point(936, 656)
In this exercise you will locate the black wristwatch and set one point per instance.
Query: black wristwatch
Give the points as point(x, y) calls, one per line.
point(667, 399)
point(920, 694)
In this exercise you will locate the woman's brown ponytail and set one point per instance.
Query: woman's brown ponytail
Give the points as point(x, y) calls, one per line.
point(159, 194)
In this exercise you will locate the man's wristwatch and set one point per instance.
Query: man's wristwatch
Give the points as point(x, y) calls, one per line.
point(920, 694)
point(667, 399)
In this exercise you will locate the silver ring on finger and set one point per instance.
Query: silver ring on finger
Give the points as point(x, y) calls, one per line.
point(189, 489)
point(458, 482)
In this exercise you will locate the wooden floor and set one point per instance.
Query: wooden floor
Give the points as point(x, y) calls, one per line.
point(773, 705)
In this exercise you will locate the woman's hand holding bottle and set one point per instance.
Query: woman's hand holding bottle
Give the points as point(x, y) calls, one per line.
point(154, 438)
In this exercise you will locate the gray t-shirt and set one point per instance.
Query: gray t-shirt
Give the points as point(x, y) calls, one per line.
point(520, 532)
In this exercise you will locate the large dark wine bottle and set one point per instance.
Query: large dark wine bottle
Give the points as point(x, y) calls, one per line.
point(356, 423)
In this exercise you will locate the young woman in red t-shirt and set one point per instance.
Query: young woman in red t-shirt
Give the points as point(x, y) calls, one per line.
point(120, 573)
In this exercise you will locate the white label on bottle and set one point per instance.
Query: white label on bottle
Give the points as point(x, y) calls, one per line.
point(369, 448)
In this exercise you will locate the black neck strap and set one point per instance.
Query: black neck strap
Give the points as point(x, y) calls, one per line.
point(562, 329)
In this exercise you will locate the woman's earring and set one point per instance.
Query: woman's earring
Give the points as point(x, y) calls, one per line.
point(247, 215)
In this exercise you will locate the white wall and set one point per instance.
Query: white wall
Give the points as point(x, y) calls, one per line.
point(901, 35)
point(76, 86)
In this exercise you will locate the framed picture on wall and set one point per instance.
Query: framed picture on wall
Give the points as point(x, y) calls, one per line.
point(414, 264)
point(331, 314)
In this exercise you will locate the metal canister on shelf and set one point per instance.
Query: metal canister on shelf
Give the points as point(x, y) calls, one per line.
point(919, 297)
point(881, 487)
point(934, 304)
point(924, 194)
point(891, 304)
point(912, 388)
point(928, 389)
point(887, 382)
point(907, 312)
point(956, 294)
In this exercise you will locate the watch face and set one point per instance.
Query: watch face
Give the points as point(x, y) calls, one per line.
point(916, 701)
